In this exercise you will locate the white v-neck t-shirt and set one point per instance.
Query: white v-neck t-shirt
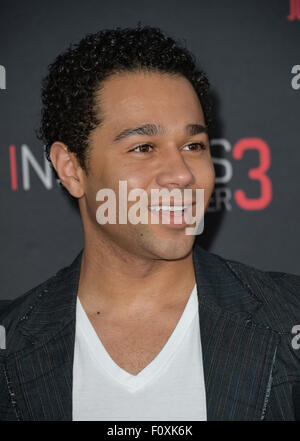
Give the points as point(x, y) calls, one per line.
point(170, 388)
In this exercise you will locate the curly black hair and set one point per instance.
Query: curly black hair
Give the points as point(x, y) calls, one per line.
point(69, 111)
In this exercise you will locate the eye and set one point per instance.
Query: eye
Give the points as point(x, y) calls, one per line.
point(143, 148)
point(195, 147)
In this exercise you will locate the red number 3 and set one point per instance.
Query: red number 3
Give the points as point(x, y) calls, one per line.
point(257, 173)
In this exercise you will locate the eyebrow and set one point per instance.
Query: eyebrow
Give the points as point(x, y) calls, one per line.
point(154, 129)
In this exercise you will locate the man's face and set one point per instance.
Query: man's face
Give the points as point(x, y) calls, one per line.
point(168, 158)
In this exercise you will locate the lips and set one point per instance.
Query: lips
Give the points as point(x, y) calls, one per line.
point(172, 215)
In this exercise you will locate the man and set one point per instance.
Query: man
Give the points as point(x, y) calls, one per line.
point(144, 324)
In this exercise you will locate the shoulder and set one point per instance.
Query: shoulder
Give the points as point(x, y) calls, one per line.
point(14, 310)
point(62, 278)
point(249, 274)
point(278, 291)
point(286, 282)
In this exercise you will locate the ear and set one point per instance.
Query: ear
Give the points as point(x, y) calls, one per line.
point(68, 169)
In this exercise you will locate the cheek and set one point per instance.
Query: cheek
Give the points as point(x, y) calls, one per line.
point(136, 175)
point(205, 174)
point(138, 180)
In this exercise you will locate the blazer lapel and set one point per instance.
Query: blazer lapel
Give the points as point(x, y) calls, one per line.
point(238, 355)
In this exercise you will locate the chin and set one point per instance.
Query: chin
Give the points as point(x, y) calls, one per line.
point(172, 249)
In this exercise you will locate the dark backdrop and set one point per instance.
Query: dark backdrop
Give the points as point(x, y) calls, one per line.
point(251, 53)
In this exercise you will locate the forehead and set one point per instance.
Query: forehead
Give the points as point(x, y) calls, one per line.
point(143, 96)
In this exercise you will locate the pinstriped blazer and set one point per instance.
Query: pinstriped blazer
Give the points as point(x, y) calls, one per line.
point(251, 370)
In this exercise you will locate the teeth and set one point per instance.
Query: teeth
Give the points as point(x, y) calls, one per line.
point(168, 208)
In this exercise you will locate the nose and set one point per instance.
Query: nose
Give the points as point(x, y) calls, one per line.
point(174, 172)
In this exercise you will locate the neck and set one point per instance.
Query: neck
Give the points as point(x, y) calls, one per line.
point(113, 279)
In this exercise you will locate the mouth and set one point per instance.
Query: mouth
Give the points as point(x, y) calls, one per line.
point(168, 208)
point(174, 216)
